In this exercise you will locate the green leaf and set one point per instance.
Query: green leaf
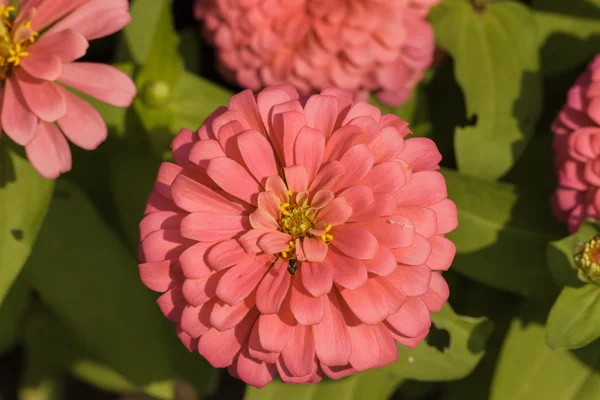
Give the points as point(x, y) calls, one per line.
point(427, 363)
point(195, 98)
point(145, 17)
point(11, 313)
point(574, 320)
point(568, 33)
point(528, 369)
point(502, 235)
point(24, 200)
point(496, 64)
point(371, 384)
point(85, 275)
point(560, 254)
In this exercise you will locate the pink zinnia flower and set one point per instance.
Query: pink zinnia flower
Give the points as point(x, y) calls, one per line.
point(39, 42)
point(380, 46)
point(577, 148)
point(298, 237)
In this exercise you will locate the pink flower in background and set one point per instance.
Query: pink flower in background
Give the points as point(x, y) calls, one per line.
point(298, 237)
point(577, 149)
point(40, 40)
point(380, 46)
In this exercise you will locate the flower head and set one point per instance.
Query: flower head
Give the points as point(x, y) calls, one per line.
point(587, 257)
point(40, 40)
point(381, 46)
point(577, 151)
point(298, 237)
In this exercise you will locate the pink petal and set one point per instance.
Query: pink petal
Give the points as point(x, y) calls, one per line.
point(383, 205)
point(159, 276)
point(200, 291)
point(234, 179)
point(315, 249)
point(340, 141)
point(210, 227)
point(270, 97)
point(261, 219)
point(224, 317)
point(253, 371)
point(67, 45)
point(18, 121)
point(288, 377)
point(239, 281)
point(394, 296)
point(204, 151)
point(442, 253)
point(357, 161)
point(44, 98)
point(182, 145)
point(423, 189)
point(245, 103)
point(327, 176)
point(299, 354)
point(447, 216)
point(42, 66)
point(288, 125)
point(365, 347)
point(338, 372)
point(164, 244)
point(412, 319)
point(192, 196)
point(274, 330)
point(393, 232)
point(220, 348)
point(387, 177)
point(225, 254)
point(49, 151)
point(269, 202)
point(317, 278)
point(415, 254)
point(83, 125)
point(273, 288)
point(193, 261)
point(438, 293)
point(104, 82)
point(167, 172)
point(296, 178)
point(256, 350)
point(307, 309)
point(308, 150)
point(195, 321)
point(388, 352)
point(159, 220)
point(249, 240)
point(357, 197)
point(274, 242)
point(321, 113)
point(421, 154)
point(171, 303)
point(157, 202)
point(258, 155)
point(276, 185)
point(354, 241)
point(424, 219)
point(344, 98)
point(414, 280)
point(387, 145)
point(367, 303)
point(347, 272)
point(362, 109)
point(332, 340)
point(335, 213)
point(384, 262)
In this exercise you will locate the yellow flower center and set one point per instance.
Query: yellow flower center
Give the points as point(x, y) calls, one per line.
point(14, 40)
point(588, 258)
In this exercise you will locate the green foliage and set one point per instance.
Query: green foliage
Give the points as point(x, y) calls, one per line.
point(24, 199)
point(496, 65)
point(502, 235)
point(11, 313)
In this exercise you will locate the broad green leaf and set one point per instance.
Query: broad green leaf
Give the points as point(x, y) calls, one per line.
point(427, 363)
point(528, 369)
point(496, 64)
point(24, 199)
point(86, 276)
point(568, 33)
point(371, 384)
point(574, 320)
point(195, 98)
point(11, 313)
point(560, 254)
point(502, 235)
point(145, 17)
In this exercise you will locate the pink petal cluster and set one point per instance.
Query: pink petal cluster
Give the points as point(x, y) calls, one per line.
point(577, 151)
point(380, 46)
point(40, 40)
point(299, 237)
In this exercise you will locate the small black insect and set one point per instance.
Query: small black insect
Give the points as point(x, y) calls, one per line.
point(292, 266)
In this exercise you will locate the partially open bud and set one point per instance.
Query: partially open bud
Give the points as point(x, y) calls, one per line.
point(587, 256)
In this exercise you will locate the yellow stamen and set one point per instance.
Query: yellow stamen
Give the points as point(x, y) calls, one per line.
point(14, 40)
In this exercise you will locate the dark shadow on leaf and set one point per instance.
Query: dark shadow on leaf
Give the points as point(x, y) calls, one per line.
point(17, 234)
point(7, 169)
point(438, 338)
point(572, 8)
